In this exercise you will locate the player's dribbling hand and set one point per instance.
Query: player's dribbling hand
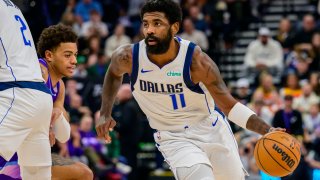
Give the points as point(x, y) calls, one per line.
point(103, 126)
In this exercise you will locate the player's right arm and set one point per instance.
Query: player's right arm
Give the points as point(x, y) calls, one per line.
point(212, 79)
point(121, 63)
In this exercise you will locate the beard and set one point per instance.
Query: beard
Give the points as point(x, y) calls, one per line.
point(161, 46)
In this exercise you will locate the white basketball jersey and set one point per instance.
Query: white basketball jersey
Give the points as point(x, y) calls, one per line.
point(167, 95)
point(18, 57)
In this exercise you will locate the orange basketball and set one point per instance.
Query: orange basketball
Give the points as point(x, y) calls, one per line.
point(277, 153)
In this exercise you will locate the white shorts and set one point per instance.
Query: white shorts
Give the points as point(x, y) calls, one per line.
point(210, 141)
point(24, 125)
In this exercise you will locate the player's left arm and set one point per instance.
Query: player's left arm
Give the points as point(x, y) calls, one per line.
point(204, 69)
point(59, 103)
point(61, 125)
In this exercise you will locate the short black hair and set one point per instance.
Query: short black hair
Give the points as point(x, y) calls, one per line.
point(52, 36)
point(171, 9)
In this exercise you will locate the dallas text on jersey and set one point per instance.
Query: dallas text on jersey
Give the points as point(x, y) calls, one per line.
point(160, 88)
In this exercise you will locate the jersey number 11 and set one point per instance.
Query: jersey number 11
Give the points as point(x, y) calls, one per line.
point(174, 101)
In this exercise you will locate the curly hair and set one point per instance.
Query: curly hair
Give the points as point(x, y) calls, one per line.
point(171, 9)
point(52, 36)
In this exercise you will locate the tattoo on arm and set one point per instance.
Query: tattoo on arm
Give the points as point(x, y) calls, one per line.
point(257, 125)
point(206, 71)
point(123, 58)
point(217, 83)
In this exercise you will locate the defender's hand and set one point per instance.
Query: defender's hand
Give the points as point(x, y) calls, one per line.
point(103, 126)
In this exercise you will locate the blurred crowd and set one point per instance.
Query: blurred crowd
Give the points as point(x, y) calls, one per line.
point(282, 82)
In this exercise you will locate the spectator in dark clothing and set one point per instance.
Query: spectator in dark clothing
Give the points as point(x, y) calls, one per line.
point(197, 18)
point(77, 110)
point(129, 119)
point(284, 34)
point(315, 64)
point(291, 119)
point(93, 93)
point(307, 31)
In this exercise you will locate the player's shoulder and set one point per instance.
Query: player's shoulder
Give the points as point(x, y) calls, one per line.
point(198, 57)
point(7, 6)
point(9, 12)
point(62, 86)
point(197, 52)
point(121, 59)
point(123, 55)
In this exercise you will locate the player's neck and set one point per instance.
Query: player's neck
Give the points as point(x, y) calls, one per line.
point(163, 59)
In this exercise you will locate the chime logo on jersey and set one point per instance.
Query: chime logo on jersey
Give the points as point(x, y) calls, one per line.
point(160, 87)
point(174, 73)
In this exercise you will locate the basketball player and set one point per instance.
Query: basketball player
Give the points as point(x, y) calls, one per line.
point(26, 104)
point(57, 48)
point(180, 89)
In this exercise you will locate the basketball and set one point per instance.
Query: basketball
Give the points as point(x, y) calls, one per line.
point(277, 153)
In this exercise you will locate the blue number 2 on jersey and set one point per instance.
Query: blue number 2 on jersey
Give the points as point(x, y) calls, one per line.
point(174, 101)
point(22, 29)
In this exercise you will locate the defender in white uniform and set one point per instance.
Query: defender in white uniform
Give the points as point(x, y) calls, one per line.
point(26, 103)
point(179, 88)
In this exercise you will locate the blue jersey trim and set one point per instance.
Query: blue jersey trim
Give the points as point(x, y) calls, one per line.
point(5, 52)
point(9, 107)
point(205, 96)
point(230, 130)
point(135, 65)
point(43, 62)
point(48, 83)
point(186, 71)
point(179, 39)
point(219, 111)
point(40, 86)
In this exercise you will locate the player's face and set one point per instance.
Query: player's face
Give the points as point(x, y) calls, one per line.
point(64, 59)
point(157, 32)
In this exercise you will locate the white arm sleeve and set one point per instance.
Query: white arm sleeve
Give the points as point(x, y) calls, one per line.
point(62, 129)
point(240, 114)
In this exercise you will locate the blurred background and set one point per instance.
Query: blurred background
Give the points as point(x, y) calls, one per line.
point(268, 52)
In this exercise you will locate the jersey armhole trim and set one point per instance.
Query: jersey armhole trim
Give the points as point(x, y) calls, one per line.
point(43, 62)
point(135, 65)
point(186, 70)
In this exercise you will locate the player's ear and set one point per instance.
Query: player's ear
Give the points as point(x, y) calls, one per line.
point(175, 27)
point(48, 55)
